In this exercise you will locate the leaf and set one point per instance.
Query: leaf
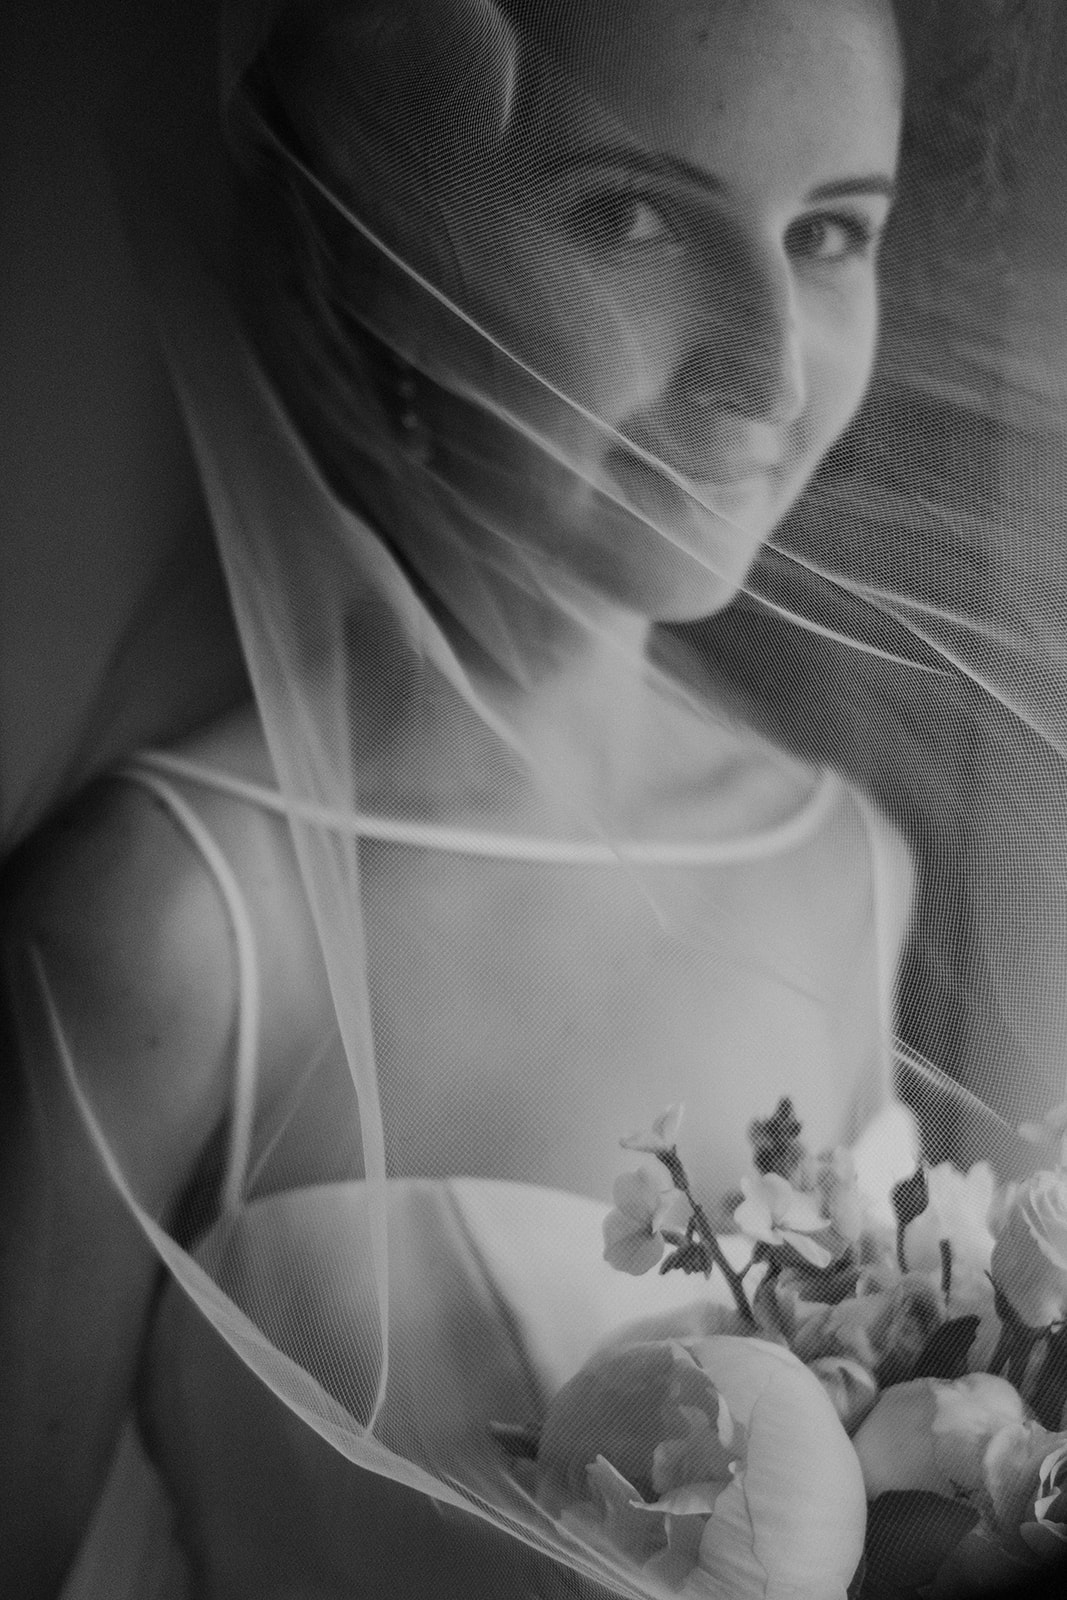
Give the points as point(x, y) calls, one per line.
point(910, 1533)
point(910, 1197)
point(1050, 1391)
point(855, 1588)
point(692, 1255)
point(944, 1355)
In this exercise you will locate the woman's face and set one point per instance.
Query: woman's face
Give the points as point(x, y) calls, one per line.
point(685, 246)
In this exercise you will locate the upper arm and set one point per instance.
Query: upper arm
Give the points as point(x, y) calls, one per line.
point(112, 910)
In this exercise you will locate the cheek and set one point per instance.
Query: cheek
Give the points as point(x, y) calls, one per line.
point(579, 335)
point(840, 365)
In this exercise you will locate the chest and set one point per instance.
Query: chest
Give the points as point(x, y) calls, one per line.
point(526, 1016)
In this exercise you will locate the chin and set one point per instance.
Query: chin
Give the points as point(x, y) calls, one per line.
point(694, 572)
point(686, 589)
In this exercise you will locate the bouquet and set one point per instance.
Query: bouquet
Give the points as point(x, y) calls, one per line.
point(880, 1408)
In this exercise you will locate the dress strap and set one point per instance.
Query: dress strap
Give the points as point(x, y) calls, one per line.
point(246, 1054)
point(773, 840)
point(891, 909)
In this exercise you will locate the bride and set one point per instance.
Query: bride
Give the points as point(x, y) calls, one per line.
point(527, 327)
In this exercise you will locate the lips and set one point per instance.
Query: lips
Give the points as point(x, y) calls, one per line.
point(727, 482)
point(728, 453)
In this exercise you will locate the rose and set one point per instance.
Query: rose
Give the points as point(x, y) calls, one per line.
point(727, 1448)
point(932, 1435)
point(1029, 1263)
point(1047, 1532)
point(1026, 1484)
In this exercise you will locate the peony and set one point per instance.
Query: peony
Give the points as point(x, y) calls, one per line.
point(717, 1463)
point(623, 1405)
point(1029, 1263)
point(932, 1435)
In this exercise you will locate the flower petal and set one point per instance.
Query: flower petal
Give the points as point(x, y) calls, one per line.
point(692, 1499)
point(624, 1523)
point(807, 1247)
point(662, 1135)
point(641, 1193)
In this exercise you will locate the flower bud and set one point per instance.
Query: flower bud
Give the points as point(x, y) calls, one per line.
point(1029, 1263)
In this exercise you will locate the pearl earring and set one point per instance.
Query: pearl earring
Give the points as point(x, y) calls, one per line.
point(414, 437)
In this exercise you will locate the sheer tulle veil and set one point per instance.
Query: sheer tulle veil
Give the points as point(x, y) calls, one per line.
point(385, 372)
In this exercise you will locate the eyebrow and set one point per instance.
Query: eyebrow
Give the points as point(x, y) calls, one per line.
point(662, 165)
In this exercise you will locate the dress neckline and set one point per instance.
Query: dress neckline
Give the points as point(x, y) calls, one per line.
point(448, 838)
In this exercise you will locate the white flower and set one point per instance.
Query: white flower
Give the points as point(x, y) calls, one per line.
point(932, 1435)
point(1029, 1262)
point(724, 1454)
point(644, 1204)
point(838, 1184)
point(775, 1213)
point(661, 1137)
point(959, 1210)
point(885, 1153)
point(1046, 1533)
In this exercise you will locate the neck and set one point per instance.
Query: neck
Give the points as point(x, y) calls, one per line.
point(564, 668)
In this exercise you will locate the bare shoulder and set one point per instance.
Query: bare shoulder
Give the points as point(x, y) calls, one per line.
point(253, 837)
point(108, 880)
point(108, 913)
point(119, 907)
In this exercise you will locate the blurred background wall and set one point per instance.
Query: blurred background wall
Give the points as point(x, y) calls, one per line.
point(114, 629)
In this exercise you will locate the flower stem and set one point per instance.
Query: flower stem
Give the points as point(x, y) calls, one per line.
point(673, 1163)
point(1002, 1352)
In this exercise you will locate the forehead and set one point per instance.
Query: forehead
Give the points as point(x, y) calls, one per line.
point(751, 89)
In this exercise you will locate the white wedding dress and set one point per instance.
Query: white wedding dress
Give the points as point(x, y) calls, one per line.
point(500, 1284)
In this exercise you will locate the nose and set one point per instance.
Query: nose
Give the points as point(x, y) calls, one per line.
point(746, 355)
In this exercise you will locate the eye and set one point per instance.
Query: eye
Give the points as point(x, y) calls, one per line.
point(831, 237)
point(617, 218)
